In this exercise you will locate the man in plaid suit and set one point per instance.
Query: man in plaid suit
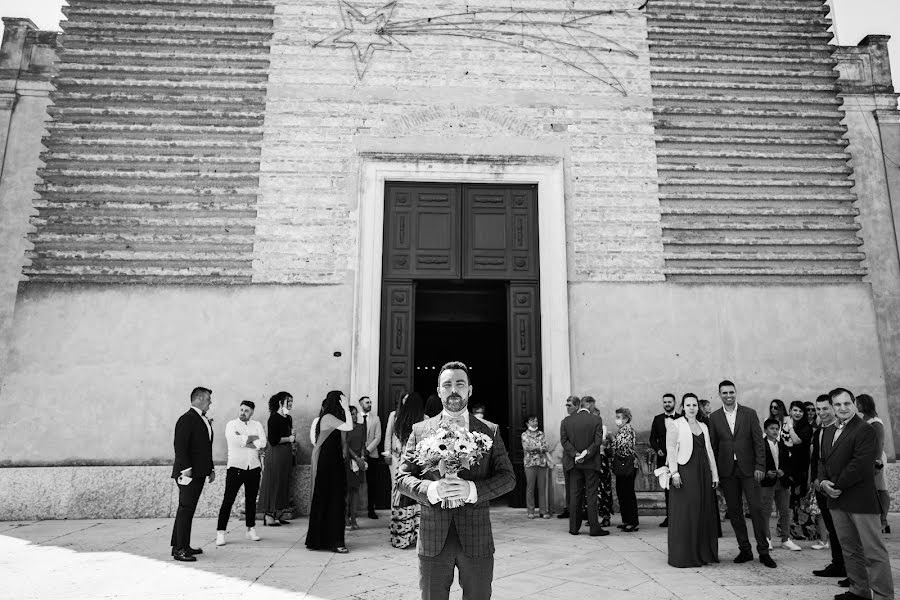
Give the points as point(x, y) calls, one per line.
point(456, 537)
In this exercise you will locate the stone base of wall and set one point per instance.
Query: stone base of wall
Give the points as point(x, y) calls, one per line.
point(28, 493)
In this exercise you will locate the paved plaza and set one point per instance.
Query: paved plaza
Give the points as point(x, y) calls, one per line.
point(63, 560)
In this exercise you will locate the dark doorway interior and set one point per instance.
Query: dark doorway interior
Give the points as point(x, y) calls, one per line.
point(465, 321)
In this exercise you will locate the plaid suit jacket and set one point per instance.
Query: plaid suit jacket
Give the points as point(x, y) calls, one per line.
point(493, 477)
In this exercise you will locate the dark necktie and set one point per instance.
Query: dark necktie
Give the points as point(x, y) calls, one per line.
point(203, 413)
point(366, 422)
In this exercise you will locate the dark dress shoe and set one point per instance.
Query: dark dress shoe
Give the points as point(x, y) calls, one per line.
point(845, 582)
point(573, 532)
point(767, 560)
point(183, 556)
point(599, 532)
point(373, 515)
point(848, 595)
point(665, 522)
point(630, 528)
point(621, 526)
point(563, 515)
point(887, 529)
point(191, 551)
point(743, 557)
point(831, 570)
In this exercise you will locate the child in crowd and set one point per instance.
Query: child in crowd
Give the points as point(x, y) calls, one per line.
point(776, 483)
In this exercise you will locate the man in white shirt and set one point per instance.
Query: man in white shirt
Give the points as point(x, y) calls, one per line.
point(373, 440)
point(245, 438)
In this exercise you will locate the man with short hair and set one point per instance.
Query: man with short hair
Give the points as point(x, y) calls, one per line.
point(372, 423)
point(193, 462)
point(658, 430)
point(827, 418)
point(581, 436)
point(456, 538)
point(245, 437)
point(573, 403)
point(846, 472)
point(737, 443)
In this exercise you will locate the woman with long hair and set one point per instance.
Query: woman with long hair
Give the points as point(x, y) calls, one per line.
point(800, 432)
point(356, 467)
point(692, 538)
point(274, 495)
point(404, 527)
point(329, 477)
point(777, 410)
point(865, 404)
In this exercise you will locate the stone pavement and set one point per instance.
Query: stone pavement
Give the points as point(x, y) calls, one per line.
point(129, 559)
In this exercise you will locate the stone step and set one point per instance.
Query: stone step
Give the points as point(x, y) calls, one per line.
point(159, 117)
point(741, 47)
point(220, 101)
point(166, 29)
point(763, 100)
point(713, 109)
point(768, 8)
point(161, 129)
point(150, 56)
point(65, 83)
point(733, 259)
point(710, 238)
point(155, 198)
point(72, 143)
point(60, 248)
point(141, 189)
point(206, 177)
point(54, 159)
point(723, 86)
point(664, 125)
point(725, 182)
point(673, 137)
point(88, 39)
point(715, 71)
point(667, 29)
point(731, 169)
point(743, 211)
point(178, 73)
point(688, 153)
point(777, 225)
point(144, 13)
point(755, 196)
point(701, 57)
point(213, 4)
point(792, 24)
point(56, 221)
point(766, 270)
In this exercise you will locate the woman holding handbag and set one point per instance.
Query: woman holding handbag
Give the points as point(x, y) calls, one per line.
point(692, 528)
point(624, 469)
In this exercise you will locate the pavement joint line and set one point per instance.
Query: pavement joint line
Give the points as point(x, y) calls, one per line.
point(65, 534)
point(283, 554)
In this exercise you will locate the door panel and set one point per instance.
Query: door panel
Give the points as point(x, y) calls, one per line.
point(422, 231)
point(500, 233)
point(398, 330)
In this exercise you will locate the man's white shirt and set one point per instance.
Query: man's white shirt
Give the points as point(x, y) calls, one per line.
point(236, 434)
point(773, 446)
point(433, 495)
point(731, 417)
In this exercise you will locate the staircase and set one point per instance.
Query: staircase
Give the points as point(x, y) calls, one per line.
point(152, 162)
point(753, 176)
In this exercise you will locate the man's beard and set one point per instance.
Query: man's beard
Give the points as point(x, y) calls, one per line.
point(455, 403)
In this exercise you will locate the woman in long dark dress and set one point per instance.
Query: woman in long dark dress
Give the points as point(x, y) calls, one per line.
point(803, 525)
point(692, 512)
point(274, 492)
point(329, 477)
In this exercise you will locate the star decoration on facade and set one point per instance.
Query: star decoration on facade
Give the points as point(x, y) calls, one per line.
point(363, 34)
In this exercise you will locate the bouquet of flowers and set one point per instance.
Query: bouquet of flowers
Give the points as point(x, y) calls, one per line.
point(449, 449)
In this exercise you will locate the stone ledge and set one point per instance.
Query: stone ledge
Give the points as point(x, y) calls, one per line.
point(29, 493)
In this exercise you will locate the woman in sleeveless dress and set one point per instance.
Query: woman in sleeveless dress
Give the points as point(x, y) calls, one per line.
point(692, 527)
point(404, 527)
point(329, 476)
point(274, 493)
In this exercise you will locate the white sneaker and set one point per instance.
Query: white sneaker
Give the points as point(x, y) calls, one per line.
point(790, 545)
point(770, 543)
point(820, 545)
point(220, 538)
point(251, 534)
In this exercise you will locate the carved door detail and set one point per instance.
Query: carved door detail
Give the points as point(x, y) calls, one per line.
point(398, 330)
point(500, 233)
point(523, 328)
point(422, 231)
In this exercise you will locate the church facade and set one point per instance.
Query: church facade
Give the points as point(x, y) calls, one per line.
point(615, 199)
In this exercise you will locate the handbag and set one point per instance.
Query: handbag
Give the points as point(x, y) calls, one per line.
point(623, 466)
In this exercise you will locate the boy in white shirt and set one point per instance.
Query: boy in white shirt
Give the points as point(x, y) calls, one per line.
point(775, 485)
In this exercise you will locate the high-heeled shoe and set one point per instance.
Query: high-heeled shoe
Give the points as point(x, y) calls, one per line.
point(273, 523)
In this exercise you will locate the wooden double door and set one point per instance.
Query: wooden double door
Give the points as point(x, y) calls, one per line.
point(461, 281)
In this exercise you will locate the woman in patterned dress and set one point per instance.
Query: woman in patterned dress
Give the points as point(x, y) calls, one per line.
point(404, 527)
point(623, 448)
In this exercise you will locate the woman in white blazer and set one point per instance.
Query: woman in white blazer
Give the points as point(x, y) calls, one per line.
point(692, 512)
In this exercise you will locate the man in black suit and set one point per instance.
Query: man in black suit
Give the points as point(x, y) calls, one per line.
point(572, 405)
point(658, 439)
point(581, 436)
point(825, 412)
point(193, 462)
point(846, 471)
point(737, 442)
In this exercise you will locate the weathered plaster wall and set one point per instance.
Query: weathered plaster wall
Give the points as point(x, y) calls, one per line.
point(101, 373)
point(631, 343)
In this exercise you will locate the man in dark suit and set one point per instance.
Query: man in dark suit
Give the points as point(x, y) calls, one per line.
point(193, 463)
point(573, 403)
point(825, 412)
point(456, 537)
point(658, 439)
point(737, 442)
point(846, 472)
point(581, 436)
